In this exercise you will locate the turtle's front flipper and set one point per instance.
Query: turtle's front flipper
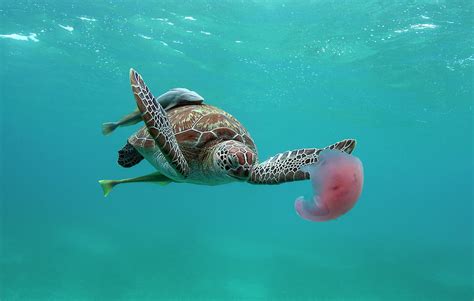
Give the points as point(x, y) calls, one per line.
point(158, 125)
point(156, 177)
point(286, 167)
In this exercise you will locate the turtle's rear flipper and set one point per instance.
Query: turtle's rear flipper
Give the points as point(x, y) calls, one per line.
point(156, 177)
point(286, 167)
point(129, 156)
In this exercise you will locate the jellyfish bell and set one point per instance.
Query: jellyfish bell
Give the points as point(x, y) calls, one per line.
point(337, 180)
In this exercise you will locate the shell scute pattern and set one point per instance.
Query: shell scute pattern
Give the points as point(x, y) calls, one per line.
point(188, 135)
point(195, 127)
point(185, 117)
point(142, 139)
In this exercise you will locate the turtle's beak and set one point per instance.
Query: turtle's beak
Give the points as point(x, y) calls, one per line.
point(241, 173)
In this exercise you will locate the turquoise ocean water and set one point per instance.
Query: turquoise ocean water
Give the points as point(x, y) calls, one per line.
point(395, 75)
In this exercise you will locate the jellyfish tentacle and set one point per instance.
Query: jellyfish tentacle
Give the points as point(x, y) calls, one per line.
point(314, 210)
point(318, 207)
point(290, 166)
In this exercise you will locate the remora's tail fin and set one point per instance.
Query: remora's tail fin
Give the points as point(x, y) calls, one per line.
point(109, 127)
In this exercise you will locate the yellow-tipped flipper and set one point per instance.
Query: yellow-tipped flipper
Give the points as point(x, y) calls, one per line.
point(156, 177)
point(107, 186)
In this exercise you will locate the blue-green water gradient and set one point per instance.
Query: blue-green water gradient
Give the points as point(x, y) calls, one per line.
point(395, 75)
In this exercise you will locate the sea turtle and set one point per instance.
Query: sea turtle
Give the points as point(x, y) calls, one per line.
point(193, 142)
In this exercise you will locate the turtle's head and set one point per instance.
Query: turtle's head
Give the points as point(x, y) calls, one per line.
point(234, 159)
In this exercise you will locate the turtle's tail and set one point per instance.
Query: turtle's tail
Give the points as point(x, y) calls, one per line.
point(107, 186)
point(109, 127)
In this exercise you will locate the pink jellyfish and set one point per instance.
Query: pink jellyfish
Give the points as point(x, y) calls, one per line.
point(337, 180)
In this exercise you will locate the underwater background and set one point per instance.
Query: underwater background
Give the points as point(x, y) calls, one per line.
point(395, 75)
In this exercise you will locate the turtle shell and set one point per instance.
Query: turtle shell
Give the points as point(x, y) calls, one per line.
point(197, 127)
